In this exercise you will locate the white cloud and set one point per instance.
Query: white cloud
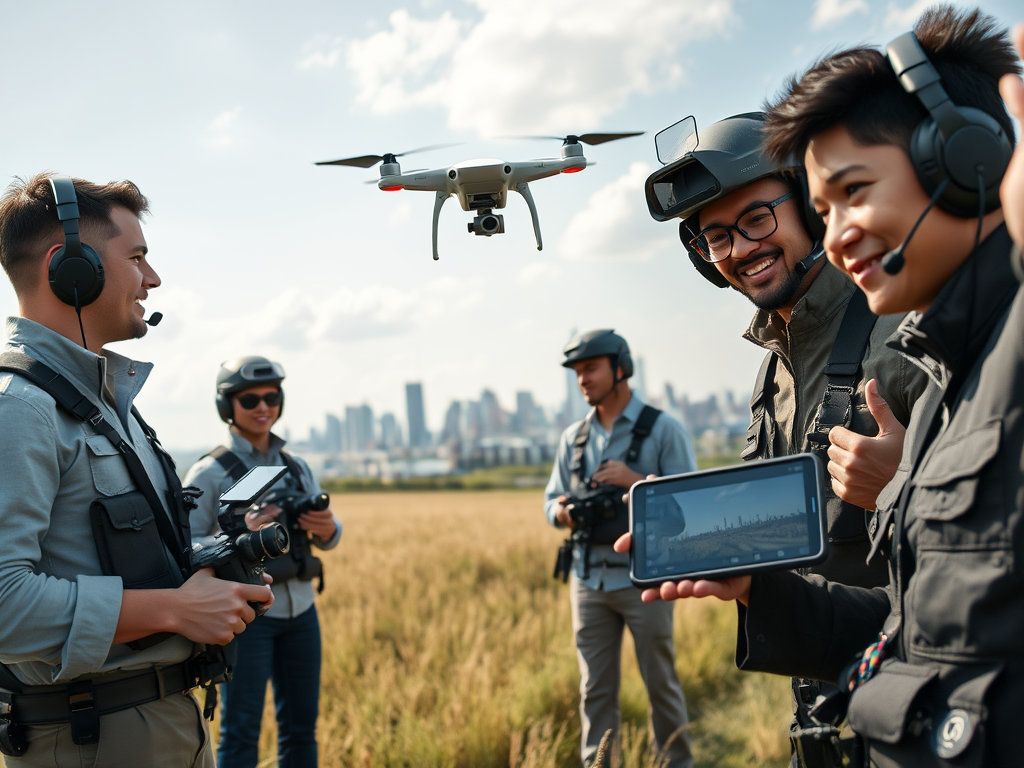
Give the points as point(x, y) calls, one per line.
point(223, 132)
point(539, 272)
point(528, 66)
point(828, 12)
point(897, 16)
point(615, 224)
point(322, 52)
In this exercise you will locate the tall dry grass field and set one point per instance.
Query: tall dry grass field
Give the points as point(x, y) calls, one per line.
point(448, 643)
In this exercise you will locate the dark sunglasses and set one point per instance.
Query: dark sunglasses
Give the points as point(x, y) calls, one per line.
point(250, 400)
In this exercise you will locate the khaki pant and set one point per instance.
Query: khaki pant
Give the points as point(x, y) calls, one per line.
point(598, 619)
point(169, 733)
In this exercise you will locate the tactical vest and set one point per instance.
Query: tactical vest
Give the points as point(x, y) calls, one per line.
point(608, 531)
point(847, 524)
point(299, 562)
point(130, 526)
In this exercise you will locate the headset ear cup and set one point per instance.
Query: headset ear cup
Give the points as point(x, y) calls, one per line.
point(625, 362)
point(814, 223)
point(76, 269)
point(708, 271)
point(981, 143)
point(225, 408)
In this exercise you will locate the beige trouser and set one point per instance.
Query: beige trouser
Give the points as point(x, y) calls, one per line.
point(169, 733)
point(598, 619)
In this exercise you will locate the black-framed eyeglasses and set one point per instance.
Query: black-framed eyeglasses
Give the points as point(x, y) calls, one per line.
point(250, 400)
point(715, 243)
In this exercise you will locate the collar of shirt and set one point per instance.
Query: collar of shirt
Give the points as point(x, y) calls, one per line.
point(105, 376)
point(950, 335)
point(625, 420)
point(243, 447)
point(824, 297)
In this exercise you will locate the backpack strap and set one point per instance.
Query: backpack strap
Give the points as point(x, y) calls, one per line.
point(758, 445)
point(579, 445)
point(295, 469)
point(842, 370)
point(641, 430)
point(229, 462)
point(78, 406)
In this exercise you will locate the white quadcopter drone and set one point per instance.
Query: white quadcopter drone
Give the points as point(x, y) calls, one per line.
point(482, 185)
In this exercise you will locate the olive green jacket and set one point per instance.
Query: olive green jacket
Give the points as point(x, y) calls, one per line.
point(792, 399)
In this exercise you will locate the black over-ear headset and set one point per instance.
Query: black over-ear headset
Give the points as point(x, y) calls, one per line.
point(76, 271)
point(963, 149)
point(812, 222)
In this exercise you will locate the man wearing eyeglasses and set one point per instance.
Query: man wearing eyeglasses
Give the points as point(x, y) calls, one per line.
point(828, 383)
point(284, 645)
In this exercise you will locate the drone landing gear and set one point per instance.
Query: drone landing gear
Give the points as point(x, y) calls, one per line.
point(438, 202)
point(524, 190)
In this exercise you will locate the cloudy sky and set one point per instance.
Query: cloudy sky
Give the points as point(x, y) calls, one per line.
point(217, 110)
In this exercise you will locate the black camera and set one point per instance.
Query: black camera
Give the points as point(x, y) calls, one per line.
point(487, 223)
point(238, 554)
point(301, 562)
point(598, 504)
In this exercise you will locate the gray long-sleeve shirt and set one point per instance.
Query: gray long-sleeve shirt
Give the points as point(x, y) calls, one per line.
point(58, 612)
point(666, 451)
point(292, 597)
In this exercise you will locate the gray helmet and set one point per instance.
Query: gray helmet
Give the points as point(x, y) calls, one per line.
point(727, 157)
point(600, 343)
point(242, 373)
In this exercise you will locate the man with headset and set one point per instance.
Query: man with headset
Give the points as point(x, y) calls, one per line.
point(284, 646)
point(905, 152)
point(619, 442)
point(102, 615)
point(828, 382)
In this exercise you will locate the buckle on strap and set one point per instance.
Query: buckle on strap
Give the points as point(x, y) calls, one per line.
point(85, 718)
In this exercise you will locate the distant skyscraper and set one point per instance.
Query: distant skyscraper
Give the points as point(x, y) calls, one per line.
point(493, 416)
point(417, 419)
point(452, 422)
point(528, 415)
point(359, 427)
point(332, 434)
point(390, 434)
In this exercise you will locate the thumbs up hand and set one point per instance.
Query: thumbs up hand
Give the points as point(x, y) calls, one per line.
point(861, 466)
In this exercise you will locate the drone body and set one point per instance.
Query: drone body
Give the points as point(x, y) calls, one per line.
point(481, 185)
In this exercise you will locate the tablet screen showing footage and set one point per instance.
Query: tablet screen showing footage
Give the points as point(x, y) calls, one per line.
point(728, 521)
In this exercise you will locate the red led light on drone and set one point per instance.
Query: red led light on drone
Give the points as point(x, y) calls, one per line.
point(572, 170)
point(392, 189)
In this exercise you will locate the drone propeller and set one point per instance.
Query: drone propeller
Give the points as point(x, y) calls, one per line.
point(587, 138)
point(368, 161)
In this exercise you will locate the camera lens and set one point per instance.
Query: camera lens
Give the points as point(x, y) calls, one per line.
point(489, 223)
point(270, 541)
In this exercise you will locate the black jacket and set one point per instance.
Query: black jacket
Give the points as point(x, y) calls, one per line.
point(953, 684)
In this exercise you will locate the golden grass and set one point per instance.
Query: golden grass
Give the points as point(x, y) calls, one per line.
point(447, 643)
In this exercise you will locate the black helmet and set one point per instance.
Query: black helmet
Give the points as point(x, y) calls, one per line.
point(242, 373)
point(727, 157)
point(601, 343)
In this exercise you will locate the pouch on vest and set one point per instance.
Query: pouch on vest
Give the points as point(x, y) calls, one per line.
point(125, 531)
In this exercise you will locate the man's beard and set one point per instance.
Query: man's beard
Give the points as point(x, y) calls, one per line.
point(773, 297)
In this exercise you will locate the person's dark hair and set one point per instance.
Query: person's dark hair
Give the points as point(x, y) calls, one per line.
point(858, 89)
point(29, 225)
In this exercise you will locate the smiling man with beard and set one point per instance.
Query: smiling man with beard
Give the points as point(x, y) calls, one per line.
point(828, 383)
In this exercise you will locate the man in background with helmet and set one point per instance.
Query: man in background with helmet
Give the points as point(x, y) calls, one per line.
point(828, 383)
point(620, 441)
point(284, 645)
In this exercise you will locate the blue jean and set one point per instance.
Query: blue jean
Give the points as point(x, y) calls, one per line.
point(287, 652)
